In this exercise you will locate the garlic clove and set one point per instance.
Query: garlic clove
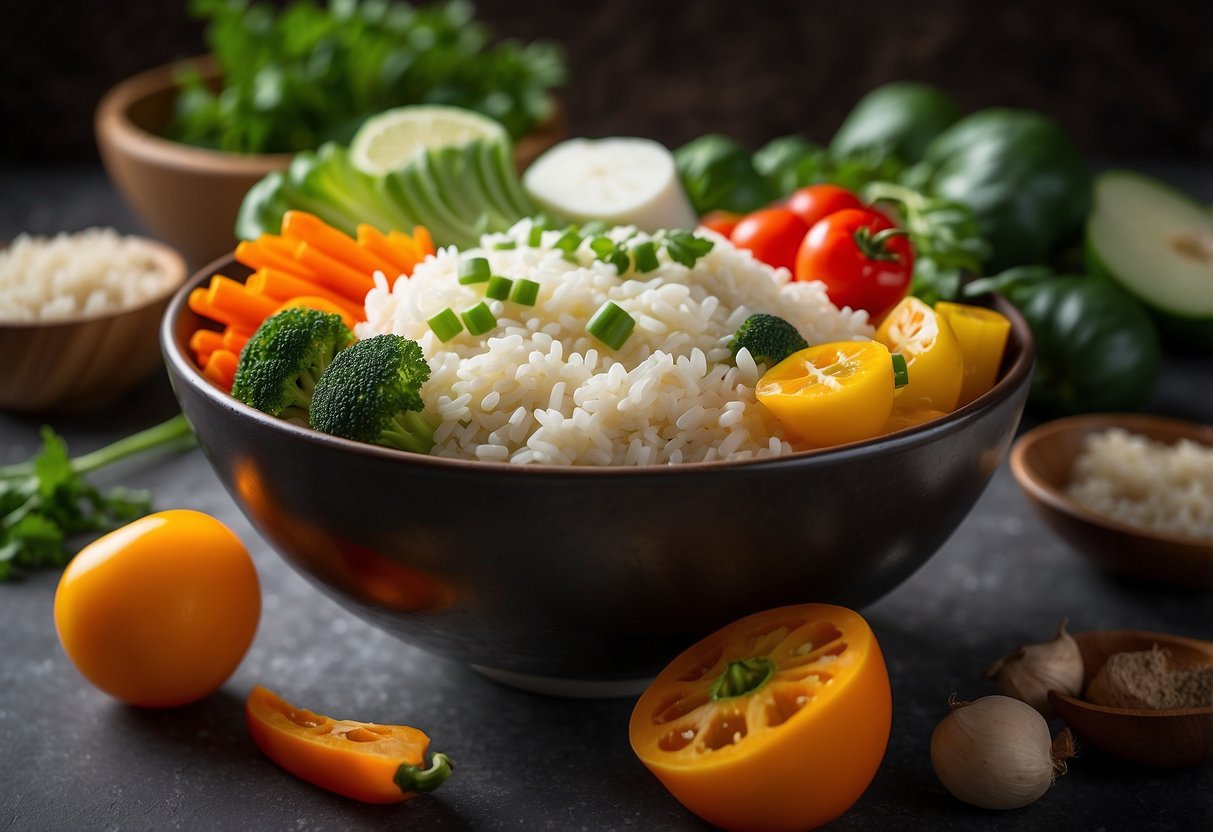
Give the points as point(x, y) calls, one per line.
point(1030, 672)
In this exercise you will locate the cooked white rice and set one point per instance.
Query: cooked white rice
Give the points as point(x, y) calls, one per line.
point(539, 389)
point(87, 273)
point(1153, 485)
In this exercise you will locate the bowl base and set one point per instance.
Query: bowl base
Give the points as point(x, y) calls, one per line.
point(568, 688)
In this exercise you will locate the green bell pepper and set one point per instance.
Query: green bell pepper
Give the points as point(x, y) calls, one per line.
point(897, 120)
point(719, 175)
point(1020, 173)
point(1096, 348)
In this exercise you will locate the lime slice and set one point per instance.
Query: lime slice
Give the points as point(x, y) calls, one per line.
point(392, 138)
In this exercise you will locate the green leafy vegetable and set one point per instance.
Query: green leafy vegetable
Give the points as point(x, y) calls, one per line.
point(312, 73)
point(718, 174)
point(47, 500)
point(895, 121)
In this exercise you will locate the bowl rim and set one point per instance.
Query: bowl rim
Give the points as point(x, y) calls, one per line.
point(169, 257)
point(1014, 379)
point(1030, 481)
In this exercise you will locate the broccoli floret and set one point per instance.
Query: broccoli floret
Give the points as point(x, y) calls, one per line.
point(372, 393)
point(281, 363)
point(768, 338)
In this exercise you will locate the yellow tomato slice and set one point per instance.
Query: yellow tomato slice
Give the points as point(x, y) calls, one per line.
point(777, 722)
point(932, 353)
point(368, 762)
point(982, 334)
point(831, 393)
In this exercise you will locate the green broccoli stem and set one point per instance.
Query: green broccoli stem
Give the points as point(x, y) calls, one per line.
point(409, 431)
point(175, 434)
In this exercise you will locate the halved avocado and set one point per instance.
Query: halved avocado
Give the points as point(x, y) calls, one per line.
point(1157, 243)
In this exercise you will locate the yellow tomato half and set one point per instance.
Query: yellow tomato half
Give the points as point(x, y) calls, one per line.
point(933, 356)
point(831, 393)
point(982, 334)
point(159, 612)
point(776, 723)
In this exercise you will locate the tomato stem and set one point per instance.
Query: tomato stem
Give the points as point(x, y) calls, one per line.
point(742, 677)
point(873, 247)
point(416, 779)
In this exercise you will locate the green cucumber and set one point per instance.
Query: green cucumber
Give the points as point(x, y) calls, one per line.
point(1158, 244)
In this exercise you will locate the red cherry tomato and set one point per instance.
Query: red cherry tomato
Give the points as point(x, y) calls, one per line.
point(722, 222)
point(816, 202)
point(861, 265)
point(773, 234)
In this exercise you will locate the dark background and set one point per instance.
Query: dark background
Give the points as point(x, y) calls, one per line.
point(1129, 80)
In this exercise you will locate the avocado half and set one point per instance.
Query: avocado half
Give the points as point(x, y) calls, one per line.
point(1157, 243)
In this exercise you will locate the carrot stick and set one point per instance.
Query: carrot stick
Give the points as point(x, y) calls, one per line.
point(260, 255)
point(221, 368)
point(372, 239)
point(282, 286)
point(407, 246)
point(346, 281)
point(421, 235)
point(244, 309)
point(308, 228)
point(204, 342)
point(321, 304)
point(234, 340)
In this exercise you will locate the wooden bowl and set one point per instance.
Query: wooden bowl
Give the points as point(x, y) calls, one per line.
point(1177, 738)
point(1042, 461)
point(189, 196)
point(82, 362)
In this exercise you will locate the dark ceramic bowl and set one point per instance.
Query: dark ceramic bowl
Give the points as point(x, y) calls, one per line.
point(563, 578)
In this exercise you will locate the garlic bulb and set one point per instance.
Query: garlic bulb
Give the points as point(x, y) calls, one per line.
point(1029, 673)
point(996, 753)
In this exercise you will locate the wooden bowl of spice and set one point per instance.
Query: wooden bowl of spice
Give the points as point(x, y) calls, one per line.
point(1164, 678)
point(1131, 492)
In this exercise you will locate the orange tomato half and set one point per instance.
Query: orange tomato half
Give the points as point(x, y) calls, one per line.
point(776, 723)
point(362, 760)
point(159, 612)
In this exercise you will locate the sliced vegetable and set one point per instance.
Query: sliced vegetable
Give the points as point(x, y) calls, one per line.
point(525, 292)
point(833, 393)
point(982, 335)
point(360, 760)
point(160, 612)
point(498, 288)
point(445, 325)
point(1158, 244)
point(773, 235)
point(474, 270)
point(901, 372)
point(611, 324)
point(392, 138)
point(862, 258)
point(777, 722)
point(933, 355)
point(645, 256)
point(478, 319)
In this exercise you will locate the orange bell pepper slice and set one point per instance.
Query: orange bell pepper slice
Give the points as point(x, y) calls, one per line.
point(777, 722)
point(368, 762)
point(983, 335)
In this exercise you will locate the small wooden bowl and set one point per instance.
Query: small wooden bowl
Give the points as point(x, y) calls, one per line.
point(1177, 738)
point(1042, 461)
point(83, 362)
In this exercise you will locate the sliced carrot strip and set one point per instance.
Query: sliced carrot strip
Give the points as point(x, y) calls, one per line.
point(262, 255)
point(234, 340)
point(421, 235)
point(282, 287)
point(346, 281)
point(408, 249)
point(206, 341)
point(221, 368)
point(372, 239)
point(321, 304)
point(308, 228)
point(245, 309)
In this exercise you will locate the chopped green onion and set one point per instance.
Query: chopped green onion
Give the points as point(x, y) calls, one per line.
point(594, 227)
point(505, 245)
point(901, 373)
point(445, 325)
point(479, 319)
point(535, 238)
point(498, 288)
point(608, 252)
point(525, 292)
point(646, 256)
point(569, 241)
point(611, 325)
point(602, 246)
point(474, 270)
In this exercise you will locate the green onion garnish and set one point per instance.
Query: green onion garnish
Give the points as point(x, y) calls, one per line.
point(479, 319)
point(611, 325)
point(535, 237)
point(646, 256)
point(525, 292)
point(445, 325)
point(594, 227)
point(474, 270)
point(498, 288)
point(901, 373)
point(569, 241)
point(505, 245)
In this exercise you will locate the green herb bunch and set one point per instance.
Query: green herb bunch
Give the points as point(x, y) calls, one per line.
point(294, 79)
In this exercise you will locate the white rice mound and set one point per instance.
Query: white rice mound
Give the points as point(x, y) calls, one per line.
point(92, 272)
point(538, 389)
point(1152, 485)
